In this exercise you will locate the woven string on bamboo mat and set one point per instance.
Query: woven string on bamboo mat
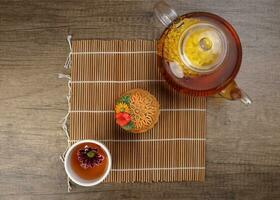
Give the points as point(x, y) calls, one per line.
point(172, 151)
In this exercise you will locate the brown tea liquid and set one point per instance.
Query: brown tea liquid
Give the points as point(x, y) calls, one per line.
point(90, 173)
point(195, 83)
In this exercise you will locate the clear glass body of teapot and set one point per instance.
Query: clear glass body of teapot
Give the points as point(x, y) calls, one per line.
point(201, 53)
point(195, 46)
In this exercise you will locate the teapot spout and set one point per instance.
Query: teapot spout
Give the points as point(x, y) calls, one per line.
point(233, 92)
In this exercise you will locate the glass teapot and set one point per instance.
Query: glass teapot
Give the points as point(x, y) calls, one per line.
point(200, 53)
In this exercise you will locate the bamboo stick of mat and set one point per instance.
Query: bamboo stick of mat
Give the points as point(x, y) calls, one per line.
point(173, 151)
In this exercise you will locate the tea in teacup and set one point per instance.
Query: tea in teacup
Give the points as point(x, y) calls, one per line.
point(87, 162)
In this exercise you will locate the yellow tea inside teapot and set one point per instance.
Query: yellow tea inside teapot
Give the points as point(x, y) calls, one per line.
point(195, 46)
point(200, 53)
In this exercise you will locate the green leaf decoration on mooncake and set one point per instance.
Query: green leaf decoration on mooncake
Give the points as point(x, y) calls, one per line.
point(129, 126)
point(123, 99)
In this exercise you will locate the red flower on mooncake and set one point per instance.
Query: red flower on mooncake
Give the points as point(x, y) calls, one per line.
point(122, 118)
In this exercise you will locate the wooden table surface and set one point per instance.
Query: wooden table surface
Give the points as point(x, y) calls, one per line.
point(243, 142)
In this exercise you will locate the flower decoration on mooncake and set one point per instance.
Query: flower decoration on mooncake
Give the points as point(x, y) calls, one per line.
point(137, 111)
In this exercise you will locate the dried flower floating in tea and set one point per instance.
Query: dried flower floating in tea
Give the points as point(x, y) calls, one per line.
point(89, 157)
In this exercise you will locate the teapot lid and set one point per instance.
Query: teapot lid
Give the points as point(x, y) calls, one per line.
point(203, 47)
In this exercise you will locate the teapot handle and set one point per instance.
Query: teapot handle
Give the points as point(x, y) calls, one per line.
point(165, 13)
point(233, 92)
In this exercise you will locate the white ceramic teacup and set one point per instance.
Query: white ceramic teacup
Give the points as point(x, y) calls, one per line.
point(74, 177)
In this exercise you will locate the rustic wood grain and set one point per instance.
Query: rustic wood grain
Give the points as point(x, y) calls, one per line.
point(243, 151)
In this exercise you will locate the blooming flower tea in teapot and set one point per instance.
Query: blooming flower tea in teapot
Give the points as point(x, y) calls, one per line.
point(200, 53)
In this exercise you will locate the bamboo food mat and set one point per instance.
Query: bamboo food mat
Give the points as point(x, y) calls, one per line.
point(100, 72)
